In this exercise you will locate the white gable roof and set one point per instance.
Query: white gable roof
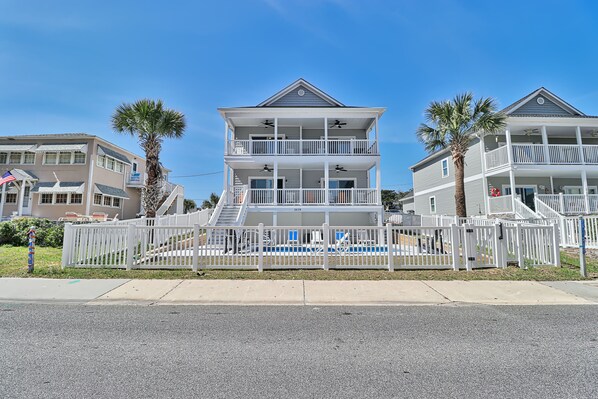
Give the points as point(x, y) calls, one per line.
point(301, 93)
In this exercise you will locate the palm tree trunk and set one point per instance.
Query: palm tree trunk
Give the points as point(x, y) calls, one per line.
point(152, 192)
point(460, 206)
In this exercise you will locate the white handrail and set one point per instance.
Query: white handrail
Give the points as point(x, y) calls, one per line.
point(302, 147)
point(497, 157)
point(221, 202)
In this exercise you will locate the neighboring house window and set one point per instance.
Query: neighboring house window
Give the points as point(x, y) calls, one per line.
point(433, 204)
point(97, 199)
point(64, 158)
point(61, 198)
point(50, 158)
point(29, 158)
point(101, 161)
point(76, 198)
point(15, 157)
point(116, 202)
point(445, 167)
point(106, 200)
point(46, 198)
point(110, 164)
point(11, 198)
point(3, 157)
point(79, 157)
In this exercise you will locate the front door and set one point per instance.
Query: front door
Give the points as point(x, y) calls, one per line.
point(27, 201)
point(525, 194)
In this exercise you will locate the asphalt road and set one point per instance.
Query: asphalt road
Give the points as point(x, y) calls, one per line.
point(73, 351)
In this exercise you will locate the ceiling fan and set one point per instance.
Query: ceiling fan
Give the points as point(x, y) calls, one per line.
point(267, 123)
point(267, 169)
point(529, 132)
point(339, 169)
point(338, 124)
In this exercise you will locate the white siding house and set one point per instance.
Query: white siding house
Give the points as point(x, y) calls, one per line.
point(300, 158)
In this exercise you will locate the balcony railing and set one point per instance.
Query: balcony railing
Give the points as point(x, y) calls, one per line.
point(135, 179)
point(535, 154)
point(570, 204)
point(302, 147)
point(313, 196)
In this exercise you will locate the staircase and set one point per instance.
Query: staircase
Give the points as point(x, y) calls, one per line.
point(177, 194)
point(230, 211)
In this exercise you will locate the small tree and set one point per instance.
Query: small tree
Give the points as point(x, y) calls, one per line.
point(189, 205)
point(455, 124)
point(389, 198)
point(151, 123)
point(211, 202)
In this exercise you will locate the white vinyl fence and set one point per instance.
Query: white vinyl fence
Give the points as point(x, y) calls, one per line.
point(150, 246)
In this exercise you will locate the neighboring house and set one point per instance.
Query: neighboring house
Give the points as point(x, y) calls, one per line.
point(75, 172)
point(547, 156)
point(408, 203)
point(301, 158)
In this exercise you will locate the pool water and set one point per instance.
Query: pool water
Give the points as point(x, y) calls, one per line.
point(357, 249)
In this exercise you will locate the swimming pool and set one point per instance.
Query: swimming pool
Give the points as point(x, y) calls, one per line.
point(352, 249)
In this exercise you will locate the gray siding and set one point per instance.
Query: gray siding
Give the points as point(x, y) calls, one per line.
point(429, 175)
point(445, 200)
point(533, 108)
point(311, 178)
point(309, 99)
point(244, 133)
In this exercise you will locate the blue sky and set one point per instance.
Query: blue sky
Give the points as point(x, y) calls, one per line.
point(65, 65)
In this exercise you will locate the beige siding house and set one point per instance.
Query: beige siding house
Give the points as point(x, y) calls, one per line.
point(75, 172)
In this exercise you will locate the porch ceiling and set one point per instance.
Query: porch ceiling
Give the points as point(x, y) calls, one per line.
point(569, 171)
point(560, 131)
point(306, 123)
point(349, 163)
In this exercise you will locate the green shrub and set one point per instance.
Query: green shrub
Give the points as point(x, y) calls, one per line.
point(47, 232)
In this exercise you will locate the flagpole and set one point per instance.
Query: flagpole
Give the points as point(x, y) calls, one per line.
point(2, 199)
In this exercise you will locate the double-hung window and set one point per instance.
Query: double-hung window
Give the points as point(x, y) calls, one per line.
point(444, 164)
point(433, 204)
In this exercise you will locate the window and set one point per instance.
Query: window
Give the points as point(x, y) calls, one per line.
point(76, 198)
point(119, 167)
point(107, 201)
point(109, 163)
point(444, 164)
point(61, 198)
point(116, 202)
point(101, 161)
point(46, 198)
point(11, 198)
point(64, 158)
point(97, 199)
point(50, 158)
point(15, 157)
point(433, 204)
point(79, 157)
point(29, 158)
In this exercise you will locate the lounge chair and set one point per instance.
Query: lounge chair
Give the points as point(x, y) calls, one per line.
point(342, 241)
point(99, 216)
point(293, 237)
point(363, 238)
point(316, 241)
point(70, 217)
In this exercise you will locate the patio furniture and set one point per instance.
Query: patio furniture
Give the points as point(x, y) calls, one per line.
point(342, 241)
point(293, 237)
point(363, 238)
point(99, 216)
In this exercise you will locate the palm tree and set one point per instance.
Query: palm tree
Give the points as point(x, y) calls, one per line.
point(151, 123)
point(189, 205)
point(211, 202)
point(454, 124)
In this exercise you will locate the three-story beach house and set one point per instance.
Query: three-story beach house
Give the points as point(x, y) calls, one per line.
point(544, 164)
point(300, 158)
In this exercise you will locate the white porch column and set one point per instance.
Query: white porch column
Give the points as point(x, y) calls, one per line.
point(225, 182)
point(509, 146)
point(21, 197)
point(326, 136)
point(512, 185)
point(552, 190)
point(276, 136)
point(275, 182)
point(225, 137)
point(545, 145)
point(300, 186)
point(2, 200)
point(326, 184)
point(376, 134)
point(484, 177)
point(584, 182)
point(579, 144)
point(378, 184)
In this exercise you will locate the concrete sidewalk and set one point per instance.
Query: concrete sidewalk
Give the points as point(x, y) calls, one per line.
point(297, 292)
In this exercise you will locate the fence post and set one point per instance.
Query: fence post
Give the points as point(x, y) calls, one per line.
point(195, 263)
point(497, 250)
point(556, 244)
point(562, 203)
point(130, 245)
point(469, 254)
point(389, 245)
point(326, 230)
point(455, 246)
point(519, 246)
point(67, 245)
point(582, 247)
point(260, 240)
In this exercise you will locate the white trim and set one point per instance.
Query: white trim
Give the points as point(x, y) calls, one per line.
point(448, 170)
point(430, 198)
point(447, 185)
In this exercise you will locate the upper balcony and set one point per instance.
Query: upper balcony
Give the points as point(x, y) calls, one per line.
point(543, 146)
point(367, 147)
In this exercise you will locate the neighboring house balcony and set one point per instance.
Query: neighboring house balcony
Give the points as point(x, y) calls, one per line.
point(290, 147)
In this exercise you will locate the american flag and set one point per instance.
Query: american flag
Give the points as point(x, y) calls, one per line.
point(6, 178)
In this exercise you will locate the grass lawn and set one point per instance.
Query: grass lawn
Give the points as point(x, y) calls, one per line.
point(13, 263)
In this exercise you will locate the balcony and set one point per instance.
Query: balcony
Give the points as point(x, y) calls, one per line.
point(313, 197)
point(539, 154)
point(302, 147)
point(135, 179)
point(570, 204)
